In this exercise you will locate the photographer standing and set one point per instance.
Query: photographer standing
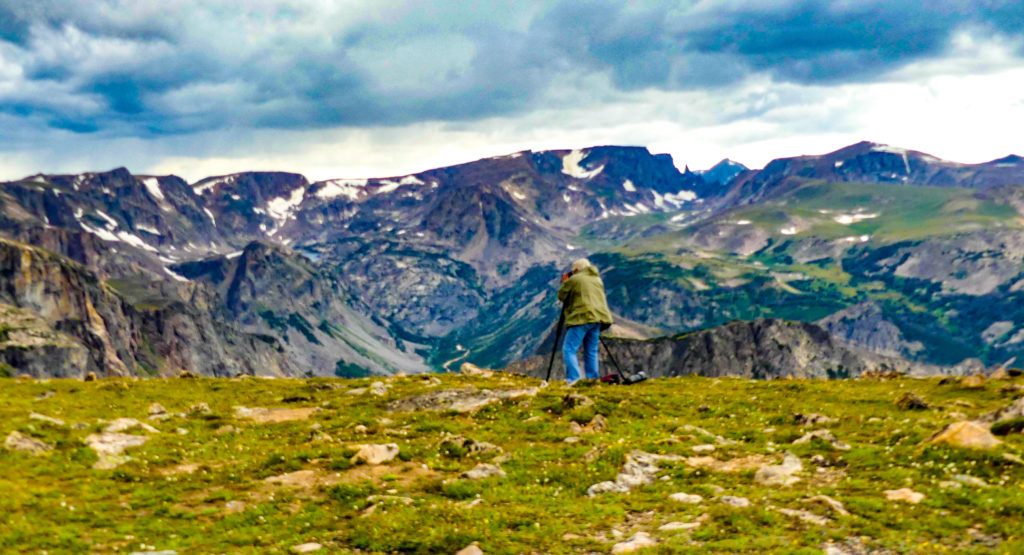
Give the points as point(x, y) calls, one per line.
point(586, 314)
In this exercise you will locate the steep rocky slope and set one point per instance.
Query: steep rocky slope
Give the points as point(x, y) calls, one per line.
point(759, 349)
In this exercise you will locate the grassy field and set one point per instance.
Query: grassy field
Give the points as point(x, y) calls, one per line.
point(222, 481)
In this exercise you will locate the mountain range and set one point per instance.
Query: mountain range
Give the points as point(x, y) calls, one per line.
point(891, 251)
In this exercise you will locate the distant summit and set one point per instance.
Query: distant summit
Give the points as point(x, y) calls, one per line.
point(723, 172)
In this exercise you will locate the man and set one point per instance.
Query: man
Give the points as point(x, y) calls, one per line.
point(586, 314)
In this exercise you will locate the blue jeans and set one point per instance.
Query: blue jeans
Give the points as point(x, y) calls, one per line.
point(589, 335)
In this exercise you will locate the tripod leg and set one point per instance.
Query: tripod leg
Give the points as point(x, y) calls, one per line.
point(611, 358)
point(554, 348)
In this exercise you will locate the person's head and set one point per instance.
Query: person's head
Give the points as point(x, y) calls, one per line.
point(580, 264)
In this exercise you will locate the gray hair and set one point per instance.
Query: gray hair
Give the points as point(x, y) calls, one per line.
point(580, 264)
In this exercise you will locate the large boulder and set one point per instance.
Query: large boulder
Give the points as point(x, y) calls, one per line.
point(966, 434)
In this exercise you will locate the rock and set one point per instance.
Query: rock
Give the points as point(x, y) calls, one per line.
point(827, 501)
point(780, 474)
point(264, 415)
point(125, 424)
point(805, 516)
point(474, 370)
point(1000, 374)
point(1012, 411)
point(705, 448)
point(378, 389)
point(16, 441)
point(360, 429)
point(966, 434)
point(812, 419)
point(157, 409)
point(110, 445)
point(674, 526)
point(454, 443)
point(376, 454)
point(639, 540)
point(640, 469)
point(226, 430)
point(948, 484)
point(910, 401)
point(575, 400)
point(977, 381)
point(187, 374)
point(734, 501)
point(44, 395)
point(1013, 458)
point(90, 377)
point(471, 549)
point(904, 494)
point(44, 418)
point(686, 498)
point(482, 471)
point(199, 409)
point(823, 435)
point(969, 480)
point(596, 425)
point(232, 507)
point(307, 547)
point(459, 400)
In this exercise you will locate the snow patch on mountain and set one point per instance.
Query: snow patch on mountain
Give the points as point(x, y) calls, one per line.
point(280, 208)
point(134, 240)
point(847, 219)
point(571, 166)
point(111, 222)
point(210, 214)
point(174, 275)
point(203, 186)
point(680, 198)
point(387, 186)
point(148, 229)
point(410, 180)
point(152, 185)
point(894, 150)
point(350, 188)
point(627, 185)
point(791, 230)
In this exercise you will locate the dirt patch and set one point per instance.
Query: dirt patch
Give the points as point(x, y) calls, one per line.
point(261, 415)
point(750, 462)
point(310, 480)
point(460, 400)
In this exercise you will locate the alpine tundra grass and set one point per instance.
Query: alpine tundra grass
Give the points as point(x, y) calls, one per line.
point(231, 480)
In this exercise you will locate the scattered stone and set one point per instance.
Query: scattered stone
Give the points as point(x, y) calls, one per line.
point(44, 418)
point(459, 400)
point(904, 494)
point(378, 389)
point(110, 445)
point(719, 440)
point(125, 424)
point(307, 547)
point(596, 425)
point(780, 474)
point(263, 415)
point(360, 429)
point(853, 546)
point(470, 369)
point(969, 480)
point(156, 409)
point(689, 498)
point(823, 435)
point(199, 409)
point(576, 401)
point(639, 540)
point(468, 445)
point(977, 381)
point(181, 431)
point(164, 552)
point(16, 441)
point(805, 516)
point(187, 374)
point(356, 391)
point(676, 525)
point(640, 469)
point(1000, 374)
point(569, 536)
point(482, 471)
point(704, 408)
point(1010, 412)
point(734, 501)
point(232, 507)
point(812, 419)
point(705, 448)
point(948, 484)
point(376, 454)
point(977, 534)
point(910, 401)
point(226, 430)
point(880, 375)
point(1013, 458)
point(44, 395)
point(471, 549)
point(740, 464)
point(966, 434)
point(827, 501)
point(90, 377)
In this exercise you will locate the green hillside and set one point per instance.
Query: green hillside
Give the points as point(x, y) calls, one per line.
point(249, 480)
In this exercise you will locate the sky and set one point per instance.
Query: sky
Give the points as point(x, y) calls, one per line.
point(381, 88)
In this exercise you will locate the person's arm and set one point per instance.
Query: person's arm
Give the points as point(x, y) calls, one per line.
point(565, 290)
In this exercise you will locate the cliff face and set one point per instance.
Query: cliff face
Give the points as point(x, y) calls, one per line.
point(761, 349)
point(63, 321)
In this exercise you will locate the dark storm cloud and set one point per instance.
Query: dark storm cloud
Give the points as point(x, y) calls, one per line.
point(116, 68)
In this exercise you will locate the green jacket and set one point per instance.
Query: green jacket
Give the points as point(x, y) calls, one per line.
point(583, 300)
